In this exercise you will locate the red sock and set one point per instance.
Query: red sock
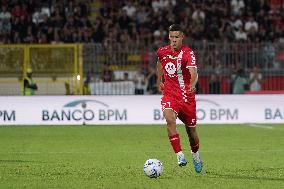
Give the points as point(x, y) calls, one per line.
point(175, 142)
point(194, 148)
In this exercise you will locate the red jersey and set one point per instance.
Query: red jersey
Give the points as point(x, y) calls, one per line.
point(176, 73)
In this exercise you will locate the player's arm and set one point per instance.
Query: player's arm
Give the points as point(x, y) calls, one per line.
point(193, 78)
point(192, 67)
point(160, 84)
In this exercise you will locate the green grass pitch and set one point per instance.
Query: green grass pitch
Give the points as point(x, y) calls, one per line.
point(235, 156)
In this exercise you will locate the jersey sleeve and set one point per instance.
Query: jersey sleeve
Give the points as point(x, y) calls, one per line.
point(190, 59)
point(159, 54)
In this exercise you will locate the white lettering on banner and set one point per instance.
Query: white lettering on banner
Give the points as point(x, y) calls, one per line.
point(158, 115)
point(220, 114)
point(62, 115)
point(214, 112)
point(86, 115)
point(109, 114)
point(7, 116)
point(274, 114)
point(201, 114)
point(136, 109)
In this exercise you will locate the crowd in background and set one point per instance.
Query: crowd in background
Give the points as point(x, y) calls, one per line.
point(139, 21)
point(144, 24)
point(218, 20)
point(39, 21)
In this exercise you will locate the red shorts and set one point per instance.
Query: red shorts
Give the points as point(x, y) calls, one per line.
point(186, 111)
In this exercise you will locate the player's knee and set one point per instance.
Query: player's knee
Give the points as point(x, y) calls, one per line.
point(190, 128)
point(171, 122)
point(192, 131)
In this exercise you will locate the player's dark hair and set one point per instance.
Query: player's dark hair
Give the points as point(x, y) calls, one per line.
point(175, 27)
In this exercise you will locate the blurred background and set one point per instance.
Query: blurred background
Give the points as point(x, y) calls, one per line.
point(107, 47)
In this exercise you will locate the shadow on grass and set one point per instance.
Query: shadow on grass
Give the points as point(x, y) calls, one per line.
point(247, 174)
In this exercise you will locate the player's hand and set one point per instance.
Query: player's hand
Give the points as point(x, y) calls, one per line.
point(161, 87)
point(192, 89)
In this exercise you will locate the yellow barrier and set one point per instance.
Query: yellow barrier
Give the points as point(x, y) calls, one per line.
point(46, 61)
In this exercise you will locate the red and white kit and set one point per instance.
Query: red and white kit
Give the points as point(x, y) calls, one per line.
point(176, 95)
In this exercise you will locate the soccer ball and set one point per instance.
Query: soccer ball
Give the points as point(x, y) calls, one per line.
point(153, 168)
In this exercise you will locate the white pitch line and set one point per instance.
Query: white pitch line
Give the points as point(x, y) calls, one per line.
point(260, 126)
point(161, 151)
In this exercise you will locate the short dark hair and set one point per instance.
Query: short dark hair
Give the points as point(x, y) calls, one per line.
point(175, 27)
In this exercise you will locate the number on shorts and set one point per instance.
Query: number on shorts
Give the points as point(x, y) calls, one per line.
point(165, 104)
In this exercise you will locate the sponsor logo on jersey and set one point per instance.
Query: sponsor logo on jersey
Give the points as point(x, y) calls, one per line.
point(171, 69)
point(171, 57)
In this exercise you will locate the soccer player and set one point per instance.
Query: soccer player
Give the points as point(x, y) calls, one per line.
point(177, 77)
